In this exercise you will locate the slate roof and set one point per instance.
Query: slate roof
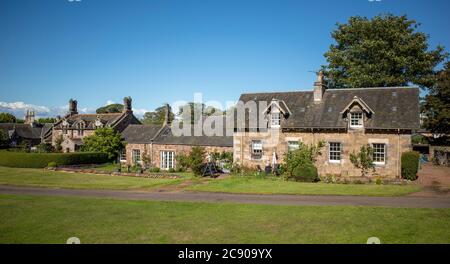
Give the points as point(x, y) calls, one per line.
point(140, 134)
point(109, 119)
point(157, 134)
point(24, 130)
point(394, 108)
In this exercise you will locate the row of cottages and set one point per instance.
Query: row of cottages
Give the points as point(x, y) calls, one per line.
point(29, 133)
point(157, 144)
point(73, 127)
point(345, 119)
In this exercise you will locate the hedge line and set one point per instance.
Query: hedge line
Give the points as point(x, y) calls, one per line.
point(41, 160)
point(410, 165)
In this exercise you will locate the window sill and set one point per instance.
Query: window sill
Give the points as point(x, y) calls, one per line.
point(335, 162)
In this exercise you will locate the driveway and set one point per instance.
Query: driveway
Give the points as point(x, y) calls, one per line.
point(435, 181)
point(298, 200)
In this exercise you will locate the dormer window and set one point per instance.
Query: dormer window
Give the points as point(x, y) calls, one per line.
point(276, 119)
point(356, 120)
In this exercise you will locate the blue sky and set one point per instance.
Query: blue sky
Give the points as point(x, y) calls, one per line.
point(160, 51)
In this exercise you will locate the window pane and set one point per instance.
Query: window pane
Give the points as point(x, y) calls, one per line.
point(379, 153)
point(335, 149)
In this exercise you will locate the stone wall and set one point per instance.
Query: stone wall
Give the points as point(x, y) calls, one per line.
point(153, 150)
point(275, 141)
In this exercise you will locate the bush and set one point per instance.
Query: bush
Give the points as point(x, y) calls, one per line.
point(52, 164)
point(410, 165)
point(154, 170)
point(41, 160)
point(171, 170)
point(197, 157)
point(305, 173)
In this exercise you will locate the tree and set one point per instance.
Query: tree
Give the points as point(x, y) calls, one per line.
point(58, 143)
point(4, 139)
point(363, 159)
point(196, 160)
point(7, 118)
point(197, 110)
point(158, 116)
point(112, 108)
point(305, 155)
point(436, 106)
point(384, 51)
point(104, 140)
point(47, 120)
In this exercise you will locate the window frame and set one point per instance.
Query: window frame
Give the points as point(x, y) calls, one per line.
point(123, 155)
point(332, 152)
point(380, 154)
point(275, 119)
point(256, 155)
point(289, 144)
point(133, 156)
point(167, 159)
point(360, 120)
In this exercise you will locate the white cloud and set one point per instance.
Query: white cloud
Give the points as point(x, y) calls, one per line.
point(139, 112)
point(109, 102)
point(19, 109)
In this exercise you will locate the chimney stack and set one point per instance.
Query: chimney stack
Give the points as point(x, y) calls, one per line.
point(127, 108)
point(73, 107)
point(319, 87)
point(167, 120)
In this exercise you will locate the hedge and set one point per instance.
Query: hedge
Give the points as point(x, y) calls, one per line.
point(41, 160)
point(410, 165)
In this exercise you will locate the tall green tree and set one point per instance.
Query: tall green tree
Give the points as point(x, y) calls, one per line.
point(386, 50)
point(4, 139)
point(7, 118)
point(196, 110)
point(112, 108)
point(104, 140)
point(46, 120)
point(436, 105)
point(157, 117)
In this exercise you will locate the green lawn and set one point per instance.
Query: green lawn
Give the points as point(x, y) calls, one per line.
point(36, 219)
point(113, 167)
point(276, 186)
point(45, 178)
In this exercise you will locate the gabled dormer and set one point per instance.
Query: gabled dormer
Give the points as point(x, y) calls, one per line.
point(276, 112)
point(98, 123)
point(356, 113)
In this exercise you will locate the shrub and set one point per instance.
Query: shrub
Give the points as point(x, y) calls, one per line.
point(363, 159)
point(154, 170)
point(410, 165)
point(183, 162)
point(306, 154)
point(41, 160)
point(305, 173)
point(171, 170)
point(52, 164)
point(197, 157)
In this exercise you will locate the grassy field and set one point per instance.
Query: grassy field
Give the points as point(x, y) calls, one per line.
point(45, 178)
point(35, 219)
point(113, 167)
point(276, 186)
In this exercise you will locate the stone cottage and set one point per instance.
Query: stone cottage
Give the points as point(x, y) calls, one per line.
point(159, 145)
point(29, 133)
point(74, 127)
point(345, 119)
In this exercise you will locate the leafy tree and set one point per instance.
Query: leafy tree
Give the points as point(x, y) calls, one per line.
point(363, 159)
point(112, 108)
point(303, 156)
point(104, 140)
point(197, 110)
point(384, 51)
point(158, 116)
point(58, 143)
point(47, 120)
point(4, 139)
point(436, 106)
point(196, 160)
point(7, 118)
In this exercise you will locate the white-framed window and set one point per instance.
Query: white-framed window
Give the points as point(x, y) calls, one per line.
point(293, 145)
point(335, 150)
point(356, 120)
point(257, 148)
point(379, 153)
point(167, 160)
point(123, 155)
point(276, 119)
point(136, 155)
